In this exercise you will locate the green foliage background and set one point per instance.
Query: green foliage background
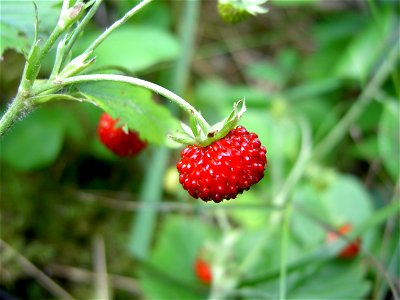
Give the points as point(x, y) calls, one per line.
point(301, 68)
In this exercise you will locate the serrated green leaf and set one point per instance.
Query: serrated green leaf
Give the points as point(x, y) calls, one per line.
point(389, 138)
point(133, 106)
point(133, 47)
point(35, 141)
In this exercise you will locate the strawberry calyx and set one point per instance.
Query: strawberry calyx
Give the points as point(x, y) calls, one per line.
point(201, 135)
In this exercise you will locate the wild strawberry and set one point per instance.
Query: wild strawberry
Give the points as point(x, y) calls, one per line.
point(352, 249)
point(116, 139)
point(223, 169)
point(203, 271)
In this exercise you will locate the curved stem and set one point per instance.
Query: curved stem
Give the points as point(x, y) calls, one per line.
point(114, 26)
point(358, 107)
point(137, 82)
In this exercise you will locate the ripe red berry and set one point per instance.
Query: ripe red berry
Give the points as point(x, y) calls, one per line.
point(351, 250)
point(203, 271)
point(116, 139)
point(224, 168)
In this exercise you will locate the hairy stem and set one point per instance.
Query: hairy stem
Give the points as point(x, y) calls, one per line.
point(11, 114)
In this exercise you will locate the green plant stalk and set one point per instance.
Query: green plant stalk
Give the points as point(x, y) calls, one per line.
point(116, 24)
point(46, 48)
point(80, 28)
point(283, 252)
point(144, 223)
point(300, 165)
point(30, 269)
point(22, 102)
point(12, 113)
point(328, 251)
point(340, 130)
point(183, 104)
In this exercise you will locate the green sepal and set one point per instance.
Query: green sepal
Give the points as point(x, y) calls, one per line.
point(194, 125)
point(196, 135)
point(182, 138)
point(77, 65)
point(221, 129)
point(33, 62)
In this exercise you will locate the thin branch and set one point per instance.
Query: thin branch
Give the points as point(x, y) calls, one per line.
point(30, 269)
point(79, 275)
point(112, 202)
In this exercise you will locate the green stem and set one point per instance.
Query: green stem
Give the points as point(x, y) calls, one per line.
point(114, 26)
point(340, 130)
point(299, 167)
point(11, 114)
point(183, 104)
point(284, 247)
point(80, 28)
point(144, 223)
point(46, 48)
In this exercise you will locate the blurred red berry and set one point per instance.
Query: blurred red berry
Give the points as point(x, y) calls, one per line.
point(223, 169)
point(352, 249)
point(203, 271)
point(116, 139)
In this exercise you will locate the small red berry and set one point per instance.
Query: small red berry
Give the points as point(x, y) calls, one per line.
point(116, 139)
point(203, 271)
point(351, 250)
point(223, 169)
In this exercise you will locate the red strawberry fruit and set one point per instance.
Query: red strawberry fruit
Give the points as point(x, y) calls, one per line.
point(351, 250)
point(116, 139)
point(203, 271)
point(223, 169)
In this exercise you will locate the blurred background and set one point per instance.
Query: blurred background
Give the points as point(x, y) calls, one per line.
point(321, 83)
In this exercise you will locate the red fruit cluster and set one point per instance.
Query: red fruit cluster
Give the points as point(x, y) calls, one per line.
point(352, 249)
point(223, 169)
point(116, 139)
point(203, 271)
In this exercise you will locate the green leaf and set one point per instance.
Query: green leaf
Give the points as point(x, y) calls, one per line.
point(133, 106)
point(389, 138)
point(35, 141)
point(334, 280)
point(358, 59)
point(11, 39)
point(133, 47)
point(18, 19)
point(348, 201)
point(180, 241)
